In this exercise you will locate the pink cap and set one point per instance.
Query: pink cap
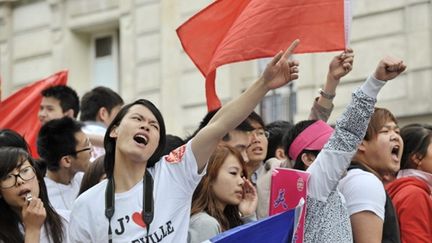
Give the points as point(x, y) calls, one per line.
point(312, 138)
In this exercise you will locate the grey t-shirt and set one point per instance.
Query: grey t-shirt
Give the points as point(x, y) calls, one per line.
point(202, 227)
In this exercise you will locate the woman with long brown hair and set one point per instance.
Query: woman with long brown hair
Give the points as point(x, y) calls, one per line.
point(223, 198)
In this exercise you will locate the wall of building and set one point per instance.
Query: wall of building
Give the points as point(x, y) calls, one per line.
point(38, 38)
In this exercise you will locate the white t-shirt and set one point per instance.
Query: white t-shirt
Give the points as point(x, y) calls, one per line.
point(95, 128)
point(62, 196)
point(44, 237)
point(363, 191)
point(175, 179)
point(98, 129)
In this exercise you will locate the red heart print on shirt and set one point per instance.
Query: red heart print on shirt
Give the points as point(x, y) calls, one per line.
point(136, 217)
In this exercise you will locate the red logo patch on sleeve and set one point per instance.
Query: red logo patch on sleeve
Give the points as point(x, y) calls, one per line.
point(176, 155)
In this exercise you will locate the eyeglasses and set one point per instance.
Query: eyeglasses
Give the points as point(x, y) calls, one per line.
point(82, 150)
point(260, 133)
point(26, 174)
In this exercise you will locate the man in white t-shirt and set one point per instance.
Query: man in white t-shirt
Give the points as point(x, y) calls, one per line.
point(113, 208)
point(65, 150)
point(57, 102)
point(327, 154)
point(99, 106)
point(371, 212)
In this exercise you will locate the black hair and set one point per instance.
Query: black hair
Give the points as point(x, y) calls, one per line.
point(254, 117)
point(276, 131)
point(10, 138)
point(416, 138)
point(66, 95)
point(110, 143)
point(11, 158)
point(57, 139)
point(289, 137)
point(244, 126)
point(172, 142)
point(97, 98)
point(299, 164)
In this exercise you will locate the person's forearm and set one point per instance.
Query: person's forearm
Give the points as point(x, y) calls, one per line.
point(351, 126)
point(234, 112)
point(278, 72)
point(319, 112)
point(32, 236)
point(330, 89)
point(349, 131)
point(226, 119)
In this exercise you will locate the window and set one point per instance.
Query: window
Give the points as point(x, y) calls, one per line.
point(105, 60)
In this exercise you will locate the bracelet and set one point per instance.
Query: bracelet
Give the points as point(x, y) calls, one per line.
point(326, 95)
point(246, 216)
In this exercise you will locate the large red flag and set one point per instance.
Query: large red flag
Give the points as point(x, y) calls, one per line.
point(19, 111)
point(236, 30)
point(0, 88)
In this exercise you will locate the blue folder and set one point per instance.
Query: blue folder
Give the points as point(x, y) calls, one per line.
point(277, 228)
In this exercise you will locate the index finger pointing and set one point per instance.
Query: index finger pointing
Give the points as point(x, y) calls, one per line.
point(291, 49)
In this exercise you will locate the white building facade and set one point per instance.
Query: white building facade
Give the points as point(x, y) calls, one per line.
point(131, 46)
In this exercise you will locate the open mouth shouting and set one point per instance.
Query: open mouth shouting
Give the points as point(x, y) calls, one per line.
point(141, 139)
point(395, 153)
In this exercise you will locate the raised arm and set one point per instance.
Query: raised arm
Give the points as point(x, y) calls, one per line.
point(350, 130)
point(339, 66)
point(280, 71)
point(366, 225)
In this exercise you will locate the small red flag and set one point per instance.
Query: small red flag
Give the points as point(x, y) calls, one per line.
point(19, 111)
point(229, 31)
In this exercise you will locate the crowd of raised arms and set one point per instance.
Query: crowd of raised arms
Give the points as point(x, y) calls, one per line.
point(114, 175)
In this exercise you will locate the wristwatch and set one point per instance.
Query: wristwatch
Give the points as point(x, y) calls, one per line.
point(326, 95)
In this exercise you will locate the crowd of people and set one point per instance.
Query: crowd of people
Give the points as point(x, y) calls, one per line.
point(115, 175)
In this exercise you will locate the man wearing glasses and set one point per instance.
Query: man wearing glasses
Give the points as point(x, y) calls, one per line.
point(65, 150)
point(257, 149)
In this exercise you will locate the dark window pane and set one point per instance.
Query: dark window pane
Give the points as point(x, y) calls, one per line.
point(103, 46)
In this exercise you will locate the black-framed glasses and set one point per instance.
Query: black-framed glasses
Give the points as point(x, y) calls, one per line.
point(82, 150)
point(27, 173)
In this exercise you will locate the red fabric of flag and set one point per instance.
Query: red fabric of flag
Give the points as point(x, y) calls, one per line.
point(19, 111)
point(0, 88)
point(229, 31)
